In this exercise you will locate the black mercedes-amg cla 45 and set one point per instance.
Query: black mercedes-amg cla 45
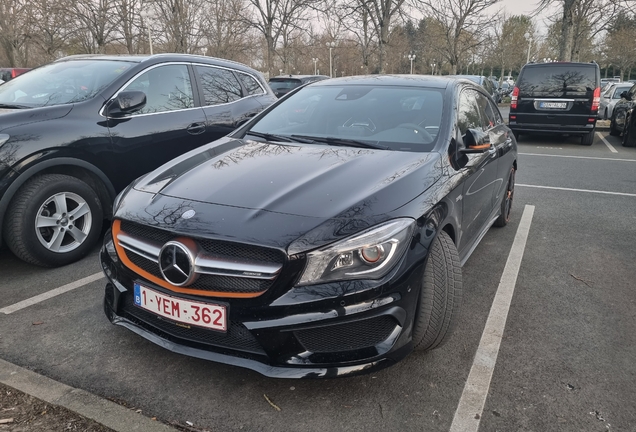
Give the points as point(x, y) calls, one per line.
point(323, 238)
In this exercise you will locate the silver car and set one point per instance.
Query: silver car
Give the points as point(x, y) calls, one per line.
point(609, 98)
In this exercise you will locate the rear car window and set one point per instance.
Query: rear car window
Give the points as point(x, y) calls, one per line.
point(557, 81)
point(284, 84)
point(250, 84)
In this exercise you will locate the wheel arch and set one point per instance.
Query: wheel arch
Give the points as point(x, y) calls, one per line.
point(78, 168)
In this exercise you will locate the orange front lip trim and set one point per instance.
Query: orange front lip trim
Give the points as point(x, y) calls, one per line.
point(141, 272)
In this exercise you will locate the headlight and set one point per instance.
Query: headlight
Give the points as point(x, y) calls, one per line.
point(368, 255)
point(4, 138)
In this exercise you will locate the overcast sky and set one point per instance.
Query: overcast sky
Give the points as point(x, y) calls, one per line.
point(518, 7)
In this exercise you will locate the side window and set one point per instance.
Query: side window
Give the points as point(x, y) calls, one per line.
point(468, 112)
point(219, 85)
point(252, 86)
point(632, 91)
point(490, 117)
point(167, 88)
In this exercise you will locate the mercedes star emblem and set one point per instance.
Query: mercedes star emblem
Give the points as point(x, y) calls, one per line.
point(176, 263)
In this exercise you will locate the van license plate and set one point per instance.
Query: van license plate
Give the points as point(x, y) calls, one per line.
point(207, 315)
point(553, 105)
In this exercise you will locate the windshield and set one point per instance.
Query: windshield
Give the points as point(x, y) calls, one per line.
point(397, 118)
point(61, 83)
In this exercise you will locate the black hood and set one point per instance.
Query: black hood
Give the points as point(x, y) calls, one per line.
point(18, 117)
point(271, 195)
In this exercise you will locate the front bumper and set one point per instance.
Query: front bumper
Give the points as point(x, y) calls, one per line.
point(311, 332)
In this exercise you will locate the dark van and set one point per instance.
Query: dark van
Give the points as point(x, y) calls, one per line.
point(557, 98)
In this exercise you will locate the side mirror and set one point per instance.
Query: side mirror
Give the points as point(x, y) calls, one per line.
point(476, 141)
point(126, 102)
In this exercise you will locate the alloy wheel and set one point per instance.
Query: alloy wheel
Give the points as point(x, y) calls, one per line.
point(63, 222)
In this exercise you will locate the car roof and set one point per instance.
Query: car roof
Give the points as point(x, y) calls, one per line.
point(298, 76)
point(160, 58)
point(394, 80)
point(556, 64)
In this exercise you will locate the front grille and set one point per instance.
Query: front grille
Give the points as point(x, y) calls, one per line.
point(347, 337)
point(238, 337)
point(214, 247)
point(206, 282)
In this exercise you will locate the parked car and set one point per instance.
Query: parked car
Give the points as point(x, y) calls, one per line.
point(281, 85)
point(509, 79)
point(558, 98)
point(315, 240)
point(621, 109)
point(75, 132)
point(485, 83)
point(610, 97)
point(506, 89)
point(7, 74)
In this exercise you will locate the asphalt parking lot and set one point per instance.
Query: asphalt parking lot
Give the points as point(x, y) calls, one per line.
point(565, 360)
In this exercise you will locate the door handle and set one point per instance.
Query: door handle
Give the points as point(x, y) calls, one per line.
point(196, 128)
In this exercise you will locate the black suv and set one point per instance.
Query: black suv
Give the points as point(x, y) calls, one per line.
point(281, 85)
point(557, 98)
point(75, 132)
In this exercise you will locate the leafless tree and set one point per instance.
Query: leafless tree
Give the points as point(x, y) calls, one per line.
point(226, 35)
point(16, 20)
point(273, 18)
point(180, 23)
point(379, 15)
point(462, 23)
point(129, 18)
point(581, 20)
point(96, 23)
point(53, 27)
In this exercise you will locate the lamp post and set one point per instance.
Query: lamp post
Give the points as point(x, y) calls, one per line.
point(528, 36)
point(145, 15)
point(433, 66)
point(204, 50)
point(331, 45)
point(411, 57)
point(315, 60)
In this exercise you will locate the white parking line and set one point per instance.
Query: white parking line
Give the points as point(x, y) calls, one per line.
point(578, 157)
point(609, 146)
point(578, 190)
point(50, 294)
point(471, 404)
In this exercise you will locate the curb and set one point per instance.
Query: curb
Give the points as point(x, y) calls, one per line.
point(91, 406)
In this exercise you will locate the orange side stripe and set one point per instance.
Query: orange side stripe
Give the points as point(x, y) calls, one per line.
point(141, 272)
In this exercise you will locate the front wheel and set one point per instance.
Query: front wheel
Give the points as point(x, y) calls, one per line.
point(53, 220)
point(440, 295)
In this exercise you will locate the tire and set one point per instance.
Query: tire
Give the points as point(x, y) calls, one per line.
point(506, 202)
point(627, 135)
point(588, 138)
point(53, 220)
point(613, 130)
point(440, 295)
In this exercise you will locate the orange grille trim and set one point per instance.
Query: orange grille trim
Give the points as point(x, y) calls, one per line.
point(116, 229)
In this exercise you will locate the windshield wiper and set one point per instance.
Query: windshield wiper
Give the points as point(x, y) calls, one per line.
point(274, 137)
point(341, 142)
point(11, 106)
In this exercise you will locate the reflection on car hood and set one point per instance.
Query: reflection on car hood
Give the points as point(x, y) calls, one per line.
point(17, 117)
point(304, 180)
